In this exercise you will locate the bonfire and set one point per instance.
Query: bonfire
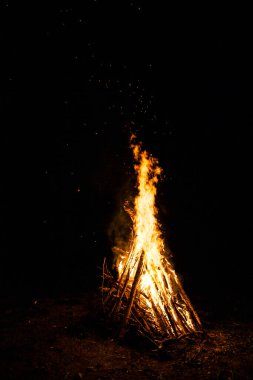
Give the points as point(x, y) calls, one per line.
point(146, 292)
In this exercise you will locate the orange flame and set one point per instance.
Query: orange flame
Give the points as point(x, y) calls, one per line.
point(160, 293)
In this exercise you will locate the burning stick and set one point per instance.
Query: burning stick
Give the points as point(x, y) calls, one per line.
point(132, 294)
point(147, 292)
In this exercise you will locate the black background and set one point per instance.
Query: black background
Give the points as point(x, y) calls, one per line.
point(75, 79)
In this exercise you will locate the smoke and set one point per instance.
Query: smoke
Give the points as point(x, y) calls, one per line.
point(120, 228)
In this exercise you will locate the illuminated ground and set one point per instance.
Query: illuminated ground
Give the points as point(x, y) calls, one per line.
point(64, 337)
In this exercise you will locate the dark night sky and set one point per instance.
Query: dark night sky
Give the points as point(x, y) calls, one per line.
point(75, 77)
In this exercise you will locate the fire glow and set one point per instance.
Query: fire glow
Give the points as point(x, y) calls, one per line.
point(147, 292)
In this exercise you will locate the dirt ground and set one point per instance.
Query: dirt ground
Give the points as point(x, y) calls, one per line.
point(65, 337)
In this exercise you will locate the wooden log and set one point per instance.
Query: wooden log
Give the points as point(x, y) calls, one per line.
point(132, 295)
point(119, 300)
point(188, 303)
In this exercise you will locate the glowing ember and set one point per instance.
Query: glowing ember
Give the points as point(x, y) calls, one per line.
point(147, 291)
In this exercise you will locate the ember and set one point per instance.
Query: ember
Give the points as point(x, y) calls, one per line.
point(146, 292)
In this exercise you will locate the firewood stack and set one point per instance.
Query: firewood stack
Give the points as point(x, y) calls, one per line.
point(168, 315)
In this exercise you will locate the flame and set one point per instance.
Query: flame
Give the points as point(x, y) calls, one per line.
point(147, 290)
